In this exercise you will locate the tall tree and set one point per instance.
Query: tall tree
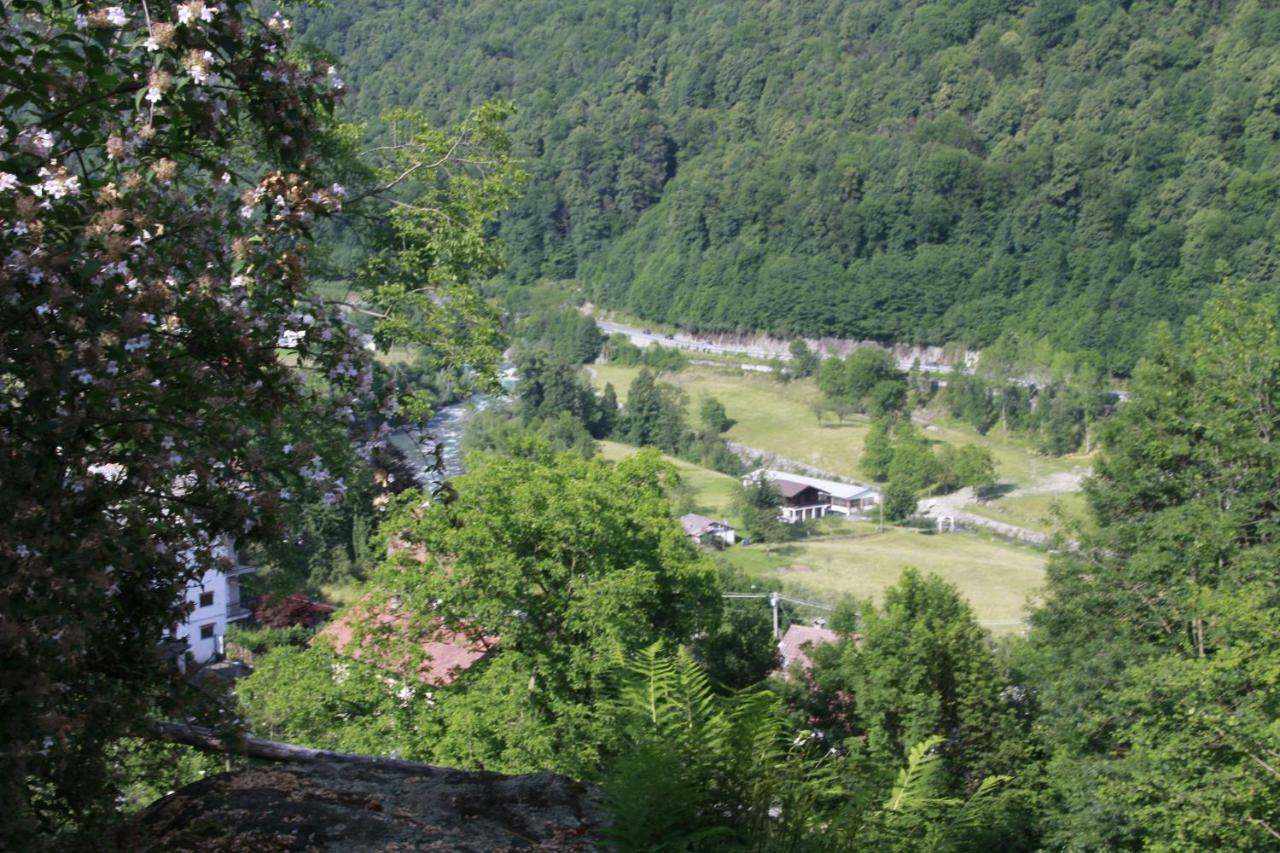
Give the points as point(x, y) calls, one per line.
point(804, 361)
point(159, 177)
point(572, 563)
point(877, 451)
point(713, 416)
point(654, 414)
point(1153, 668)
point(920, 665)
point(161, 174)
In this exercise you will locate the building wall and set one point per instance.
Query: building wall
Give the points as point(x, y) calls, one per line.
point(211, 616)
point(200, 618)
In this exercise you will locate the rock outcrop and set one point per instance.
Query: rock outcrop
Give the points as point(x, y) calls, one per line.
point(341, 806)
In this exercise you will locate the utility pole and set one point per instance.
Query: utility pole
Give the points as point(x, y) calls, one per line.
point(774, 598)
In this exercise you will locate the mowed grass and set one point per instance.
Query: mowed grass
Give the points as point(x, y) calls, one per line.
point(711, 491)
point(770, 416)
point(1047, 513)
point(779, 418)
point(999, 580)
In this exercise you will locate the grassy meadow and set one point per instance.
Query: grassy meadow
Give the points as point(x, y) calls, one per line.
point(997, 578)
point(852, 558)
point(779, 418)
point(1043, 512)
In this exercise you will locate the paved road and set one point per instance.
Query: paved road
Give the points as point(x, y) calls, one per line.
point(685, 341)
point(693, 343)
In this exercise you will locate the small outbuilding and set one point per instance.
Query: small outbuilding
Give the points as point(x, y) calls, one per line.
point(706, 531)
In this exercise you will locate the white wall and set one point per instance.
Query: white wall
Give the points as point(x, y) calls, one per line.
point(214, 614)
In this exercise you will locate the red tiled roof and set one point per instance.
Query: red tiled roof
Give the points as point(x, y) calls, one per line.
point(799, 639)
point(449, 653)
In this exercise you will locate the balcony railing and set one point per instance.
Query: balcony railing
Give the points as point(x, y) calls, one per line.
point(236, 612)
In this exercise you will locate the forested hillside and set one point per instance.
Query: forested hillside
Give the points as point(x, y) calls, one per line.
point(926, 171)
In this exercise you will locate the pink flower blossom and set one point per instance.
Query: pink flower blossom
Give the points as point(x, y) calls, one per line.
point(37, 141)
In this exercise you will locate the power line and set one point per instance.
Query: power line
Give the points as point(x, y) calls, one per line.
point(781, 597)
point(776, 598)
point(829, 609)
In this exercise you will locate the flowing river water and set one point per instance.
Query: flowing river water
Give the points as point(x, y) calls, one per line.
point(445, 430)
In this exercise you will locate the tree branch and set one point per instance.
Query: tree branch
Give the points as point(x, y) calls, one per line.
point(208, 741)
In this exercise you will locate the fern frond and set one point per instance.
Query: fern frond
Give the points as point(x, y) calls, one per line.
point(973, 810)
point(914, 780)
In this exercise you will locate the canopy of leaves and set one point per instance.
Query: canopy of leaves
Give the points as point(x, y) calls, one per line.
point(158, 184)
point(919, 665)
point(1156, 671)
point(573, 564)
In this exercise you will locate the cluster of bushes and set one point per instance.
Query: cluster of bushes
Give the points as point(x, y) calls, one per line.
point(563, 333)
point(1059, 416)
point(621, 351)
point(897, 454)
point(258, 639)
point(867, 381)
point(654, 416)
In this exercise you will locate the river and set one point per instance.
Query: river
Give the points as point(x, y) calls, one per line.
point(445, 429)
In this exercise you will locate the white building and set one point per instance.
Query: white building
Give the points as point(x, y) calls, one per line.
point(215, 599)
point(806, 498)
point(215, 603)
point(699, 528)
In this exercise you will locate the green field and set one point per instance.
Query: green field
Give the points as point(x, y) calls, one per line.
point(774, 417)
point(1045, 512)
point(779, 418)
point(998, 579)
point(711, 492)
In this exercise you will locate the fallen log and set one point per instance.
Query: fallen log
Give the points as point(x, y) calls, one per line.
point(208, 740)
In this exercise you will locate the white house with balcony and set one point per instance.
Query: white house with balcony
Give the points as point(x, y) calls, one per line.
point(806, 498)
point(215, 603)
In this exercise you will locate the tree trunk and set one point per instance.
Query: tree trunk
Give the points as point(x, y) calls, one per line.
point(270, 750)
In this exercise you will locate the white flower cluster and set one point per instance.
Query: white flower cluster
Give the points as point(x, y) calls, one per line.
point(36, 140)
point(195, 10)
point(341, 672)
point(199, 64)
point(56, 184)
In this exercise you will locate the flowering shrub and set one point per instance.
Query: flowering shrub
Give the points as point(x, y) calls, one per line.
point(158, 186)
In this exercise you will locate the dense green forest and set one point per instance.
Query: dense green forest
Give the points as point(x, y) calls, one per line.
point(1047, 171)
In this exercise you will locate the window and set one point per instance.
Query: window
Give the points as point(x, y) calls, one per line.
point(206, 631)
point(206, 599)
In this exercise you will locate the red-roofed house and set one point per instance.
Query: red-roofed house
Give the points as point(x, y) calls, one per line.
point(447, 653)
point(799, 639)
